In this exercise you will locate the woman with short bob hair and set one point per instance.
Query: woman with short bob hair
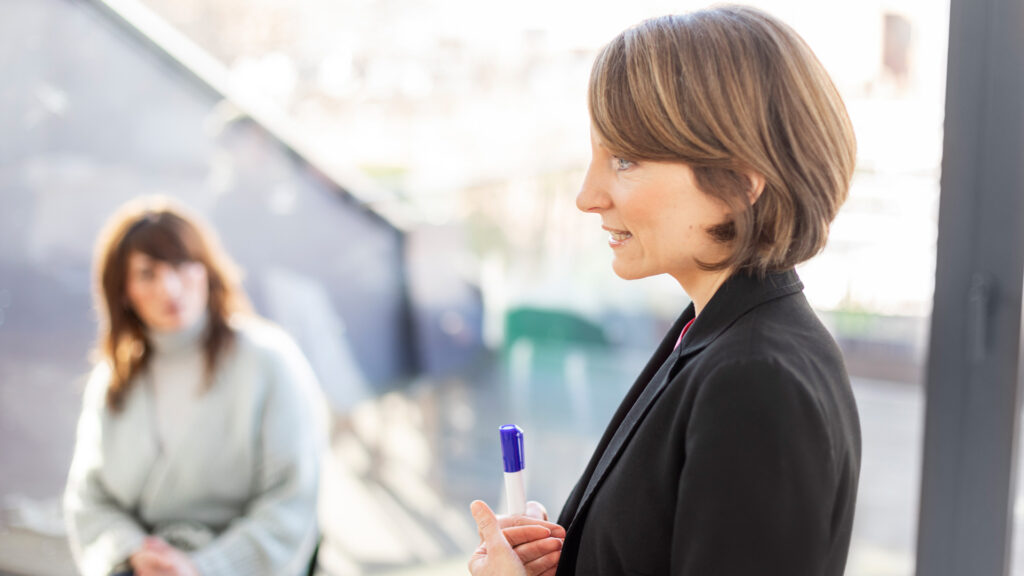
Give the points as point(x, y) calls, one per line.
point(721, 153)
point(198, 443)
point(733, 92)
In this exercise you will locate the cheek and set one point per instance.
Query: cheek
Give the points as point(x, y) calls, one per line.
point(659, 225)
point(135, 293)
point(199, 286)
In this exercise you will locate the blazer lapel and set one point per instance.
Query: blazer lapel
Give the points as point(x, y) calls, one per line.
point(574, 503)
point(737, 296)
point(625, 430)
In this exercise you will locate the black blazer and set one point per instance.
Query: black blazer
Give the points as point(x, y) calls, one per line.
point(736, 454)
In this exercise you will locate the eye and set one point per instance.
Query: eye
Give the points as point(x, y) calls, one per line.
point(621, 164)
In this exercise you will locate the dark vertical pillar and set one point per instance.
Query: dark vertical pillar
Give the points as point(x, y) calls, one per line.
point(973, 378)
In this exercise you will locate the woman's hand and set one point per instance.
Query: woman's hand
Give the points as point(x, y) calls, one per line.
point(158, 558)
point(536, 515)
point(526, 547)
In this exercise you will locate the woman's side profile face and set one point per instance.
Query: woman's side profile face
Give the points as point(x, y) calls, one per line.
point(166, 297)
point(655, 214)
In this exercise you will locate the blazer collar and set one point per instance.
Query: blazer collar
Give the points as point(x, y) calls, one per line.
point(734, 298)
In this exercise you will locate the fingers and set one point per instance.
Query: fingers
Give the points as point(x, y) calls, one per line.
point(551, 571)
point(155, 544)
point(149, 562)
point(517, 535)
point(545, 565)
point(532, 551)
point(147, 571)
point(539, 556)
point(536, 510)
point(510, 521)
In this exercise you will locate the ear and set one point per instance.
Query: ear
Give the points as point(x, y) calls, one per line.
point(757, 183)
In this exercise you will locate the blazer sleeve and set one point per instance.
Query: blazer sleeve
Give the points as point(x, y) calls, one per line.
point(277, 534)
point(102, 533)
point(756, 490)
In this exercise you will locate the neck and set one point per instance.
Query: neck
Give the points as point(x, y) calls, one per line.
point(703, 285)
point(179, 340)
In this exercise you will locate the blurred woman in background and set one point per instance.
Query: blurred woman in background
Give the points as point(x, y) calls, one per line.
point(198, 444)
point(721, 152)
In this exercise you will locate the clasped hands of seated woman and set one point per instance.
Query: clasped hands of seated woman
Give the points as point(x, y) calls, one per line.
point(158, 558)
point(525, 545)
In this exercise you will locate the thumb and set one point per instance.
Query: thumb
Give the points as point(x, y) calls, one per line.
point(487, 523)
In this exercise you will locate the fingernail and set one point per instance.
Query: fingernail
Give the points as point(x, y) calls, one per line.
point(476, 508)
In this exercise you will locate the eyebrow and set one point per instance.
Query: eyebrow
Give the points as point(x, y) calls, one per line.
point(144, 260)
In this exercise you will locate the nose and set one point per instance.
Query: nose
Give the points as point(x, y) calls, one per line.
point(592, 196)
point(170, 283)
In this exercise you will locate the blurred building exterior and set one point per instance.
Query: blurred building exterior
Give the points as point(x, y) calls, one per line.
point(116, 109)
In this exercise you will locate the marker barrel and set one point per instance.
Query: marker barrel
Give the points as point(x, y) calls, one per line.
point(515, 491)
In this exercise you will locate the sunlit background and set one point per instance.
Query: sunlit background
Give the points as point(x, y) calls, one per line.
point(398, 179)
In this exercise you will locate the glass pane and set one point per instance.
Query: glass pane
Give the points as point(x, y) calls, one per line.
point(467, 120)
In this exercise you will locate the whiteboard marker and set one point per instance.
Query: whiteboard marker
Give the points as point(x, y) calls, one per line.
point(512, 454)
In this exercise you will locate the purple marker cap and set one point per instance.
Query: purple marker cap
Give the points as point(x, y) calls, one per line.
point(512, 448)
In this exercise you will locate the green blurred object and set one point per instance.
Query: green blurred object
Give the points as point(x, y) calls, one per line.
point(551, 326)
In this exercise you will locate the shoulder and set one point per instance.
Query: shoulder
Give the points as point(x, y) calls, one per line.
point(99, 375)
point(783, 337)
point(275, 353)
point(759, 408)
point(94, 398)
point(262, 340)
point(259, 333)
point(777, 357)
point(762, 383)
point(762, 380)
point(752, 375)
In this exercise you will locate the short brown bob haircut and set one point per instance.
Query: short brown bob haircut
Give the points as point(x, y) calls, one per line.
point(160, 229)
point(732, 91)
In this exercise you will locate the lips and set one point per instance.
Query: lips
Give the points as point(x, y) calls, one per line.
point(617, 237)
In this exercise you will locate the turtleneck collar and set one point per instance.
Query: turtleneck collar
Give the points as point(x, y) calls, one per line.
point(185, 339)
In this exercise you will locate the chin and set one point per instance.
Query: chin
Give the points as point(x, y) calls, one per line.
point(176, 323)
point(166, 326)
point(626, 273)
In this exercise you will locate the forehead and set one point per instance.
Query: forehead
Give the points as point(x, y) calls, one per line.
point(137, 259)
point(596, 140)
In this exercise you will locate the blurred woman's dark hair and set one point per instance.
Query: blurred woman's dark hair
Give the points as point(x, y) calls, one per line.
point(160, 229)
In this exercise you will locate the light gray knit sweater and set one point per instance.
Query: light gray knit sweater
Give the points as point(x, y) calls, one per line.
point(240, 475)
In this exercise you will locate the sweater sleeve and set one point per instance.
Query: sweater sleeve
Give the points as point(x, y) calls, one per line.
point(277, 534)
point(101, 532)
point(755, 495)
